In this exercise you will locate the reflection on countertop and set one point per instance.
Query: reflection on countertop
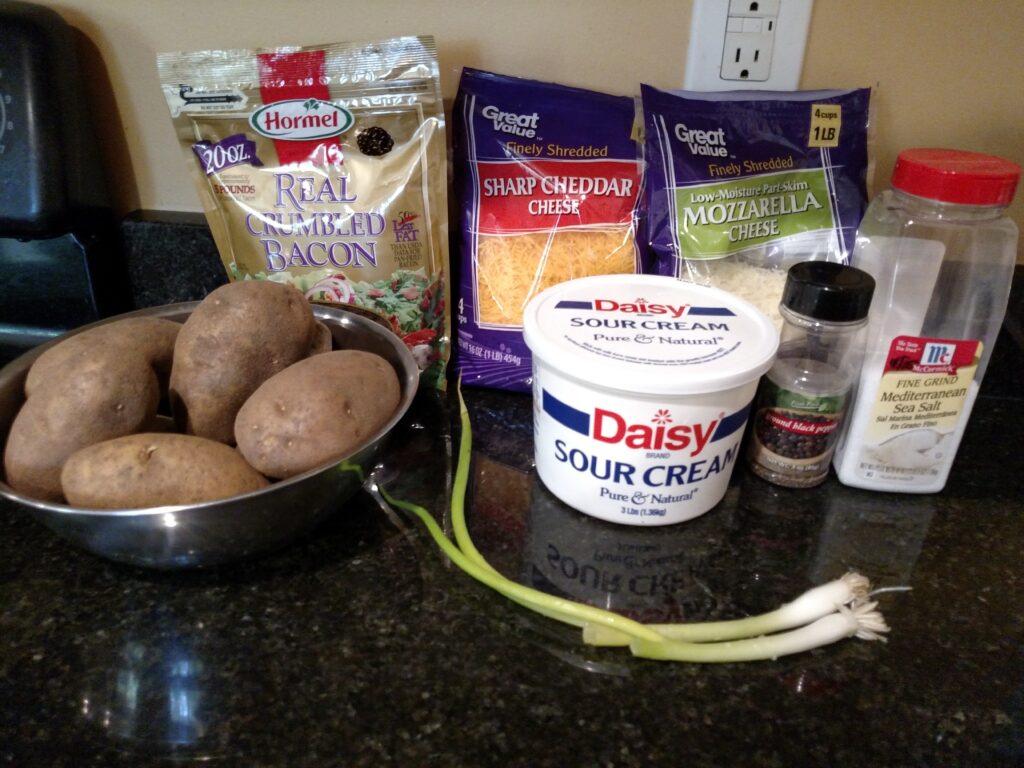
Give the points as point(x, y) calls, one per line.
point(361, 645)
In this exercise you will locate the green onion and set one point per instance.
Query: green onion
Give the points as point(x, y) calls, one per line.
point(861, 620)
point(828, 613)
point(812, 605)
point(459, 526)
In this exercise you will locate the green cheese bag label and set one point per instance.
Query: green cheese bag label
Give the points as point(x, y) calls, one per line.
point(723, 218)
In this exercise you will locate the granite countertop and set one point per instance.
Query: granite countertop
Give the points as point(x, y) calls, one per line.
point(361, 645)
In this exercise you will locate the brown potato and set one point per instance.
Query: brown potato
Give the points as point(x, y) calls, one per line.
point(100, 383)
point(103, 397)
point(317, 410)
point(151, 337)
point(240, 335)
point(155, 469)
point(323, 340)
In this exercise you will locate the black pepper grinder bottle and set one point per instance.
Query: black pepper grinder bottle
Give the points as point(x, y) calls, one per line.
point(802, 398)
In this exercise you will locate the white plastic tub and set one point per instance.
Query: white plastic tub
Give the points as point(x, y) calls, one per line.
point(641, 387)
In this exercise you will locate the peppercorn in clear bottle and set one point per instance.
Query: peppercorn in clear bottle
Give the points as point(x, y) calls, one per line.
point(802, 399)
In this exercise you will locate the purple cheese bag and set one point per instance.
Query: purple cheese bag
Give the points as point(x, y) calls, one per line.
point(741, 185)
point(547, 179)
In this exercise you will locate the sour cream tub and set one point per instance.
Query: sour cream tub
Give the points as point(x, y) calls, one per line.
point(641, 389)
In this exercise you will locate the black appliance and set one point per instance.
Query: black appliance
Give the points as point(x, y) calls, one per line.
point(60, 262)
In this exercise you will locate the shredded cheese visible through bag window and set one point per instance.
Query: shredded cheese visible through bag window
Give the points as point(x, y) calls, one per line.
point(512, 269)
point(761, 286)
point(547, 179)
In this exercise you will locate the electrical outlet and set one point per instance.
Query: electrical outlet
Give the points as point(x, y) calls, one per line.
point(747, 52)
point(747, 44)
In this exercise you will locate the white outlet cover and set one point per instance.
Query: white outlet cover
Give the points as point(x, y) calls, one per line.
point(708, 28)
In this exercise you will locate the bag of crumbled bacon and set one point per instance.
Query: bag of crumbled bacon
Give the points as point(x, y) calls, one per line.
point(325, 167)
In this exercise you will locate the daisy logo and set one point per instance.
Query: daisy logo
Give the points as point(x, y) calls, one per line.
point(662, 417)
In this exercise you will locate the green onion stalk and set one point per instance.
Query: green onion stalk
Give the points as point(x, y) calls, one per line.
point(822, 615)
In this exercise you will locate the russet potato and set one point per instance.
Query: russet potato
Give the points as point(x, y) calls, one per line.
point(100, 383)
point(316, 411)
point(240, 335)
point(152, 338)
point(156, 469)
point(251, 363)
point(103, 397)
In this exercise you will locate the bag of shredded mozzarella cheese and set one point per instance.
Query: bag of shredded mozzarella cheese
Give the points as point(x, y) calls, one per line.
point(325, 167)
point(741, 185)
point(547, 177)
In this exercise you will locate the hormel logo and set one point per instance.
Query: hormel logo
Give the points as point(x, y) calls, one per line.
point(642, 307)
point(301, 120)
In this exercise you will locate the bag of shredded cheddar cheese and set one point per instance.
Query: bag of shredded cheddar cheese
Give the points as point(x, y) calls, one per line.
point(325, 167)
point(741, 185)
point(547, 177)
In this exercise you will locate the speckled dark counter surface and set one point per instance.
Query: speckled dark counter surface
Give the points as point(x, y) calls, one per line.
point(361, 646)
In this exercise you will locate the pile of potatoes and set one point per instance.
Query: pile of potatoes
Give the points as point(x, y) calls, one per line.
point(254, 392)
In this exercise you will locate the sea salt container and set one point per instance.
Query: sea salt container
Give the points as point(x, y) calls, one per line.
point(942, 250)
point(641, 389)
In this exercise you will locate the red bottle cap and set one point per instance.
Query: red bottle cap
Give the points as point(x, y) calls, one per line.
point(953, 176)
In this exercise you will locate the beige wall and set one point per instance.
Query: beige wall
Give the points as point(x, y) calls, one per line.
point(947, 73)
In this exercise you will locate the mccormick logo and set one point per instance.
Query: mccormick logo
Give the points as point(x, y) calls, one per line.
point(911, 353)
point(659, 434)
point(301, 120)
point(938, 354)
point(642, 307)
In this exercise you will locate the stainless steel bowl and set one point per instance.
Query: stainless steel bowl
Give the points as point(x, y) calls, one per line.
point(214, 532)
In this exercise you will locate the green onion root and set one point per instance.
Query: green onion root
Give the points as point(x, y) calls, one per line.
point(863, 621)
point(811, 605)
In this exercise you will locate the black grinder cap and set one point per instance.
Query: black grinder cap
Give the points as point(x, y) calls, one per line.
point(825, 290)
